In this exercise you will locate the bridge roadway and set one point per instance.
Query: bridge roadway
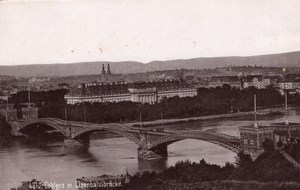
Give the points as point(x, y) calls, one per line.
point(152, 143)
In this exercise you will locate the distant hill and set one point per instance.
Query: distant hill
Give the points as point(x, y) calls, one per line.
point(291, 59)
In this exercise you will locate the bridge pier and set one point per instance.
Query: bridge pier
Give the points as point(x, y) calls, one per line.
point(159, 152)
point(76, 142)
point(71, 142)
point(17, 134)
point(15, 129)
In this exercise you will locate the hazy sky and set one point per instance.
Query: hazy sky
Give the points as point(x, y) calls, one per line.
point(37, 32)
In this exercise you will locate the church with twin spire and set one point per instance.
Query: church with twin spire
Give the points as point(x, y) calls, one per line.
point(105, 74)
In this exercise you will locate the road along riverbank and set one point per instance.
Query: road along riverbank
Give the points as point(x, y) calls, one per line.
point(164, 122)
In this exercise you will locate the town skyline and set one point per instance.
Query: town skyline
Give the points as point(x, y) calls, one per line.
point(161, 94)
point(284, 60)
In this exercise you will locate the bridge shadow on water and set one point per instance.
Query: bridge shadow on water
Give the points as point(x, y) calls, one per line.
point(81, 152)
point(48, 145)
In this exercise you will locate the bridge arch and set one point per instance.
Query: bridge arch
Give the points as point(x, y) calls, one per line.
point(45, 121)
point(226, 141)
point(114, 129)
point(143, 140)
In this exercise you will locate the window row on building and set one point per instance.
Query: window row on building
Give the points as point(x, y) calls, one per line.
point(251, 142)
point(143, 91)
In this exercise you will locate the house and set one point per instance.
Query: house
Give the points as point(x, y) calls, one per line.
point(291, 81)
point(257, 81)
point(233, 81)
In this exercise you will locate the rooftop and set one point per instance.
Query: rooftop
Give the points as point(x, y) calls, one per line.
point(292, 78)
point(123, 87)
point(249, 78)
point(284, 124)
point(224, 79)
point(256, 127)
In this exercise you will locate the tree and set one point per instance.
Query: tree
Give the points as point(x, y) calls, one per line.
point(268, 145)
point(243, 160)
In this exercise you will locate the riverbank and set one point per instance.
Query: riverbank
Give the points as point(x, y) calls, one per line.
point(163, 122)
point(270, 171)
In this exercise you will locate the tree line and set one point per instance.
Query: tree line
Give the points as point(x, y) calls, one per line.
point(270, 166)
point(39, 98)
point(209, 101)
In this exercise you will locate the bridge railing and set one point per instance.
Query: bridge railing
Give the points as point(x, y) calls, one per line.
point(290, 159)
point(233, 144)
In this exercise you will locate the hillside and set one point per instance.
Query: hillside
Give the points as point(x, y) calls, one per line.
point(291, 59)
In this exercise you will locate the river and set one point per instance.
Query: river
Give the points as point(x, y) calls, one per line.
point(52, 163)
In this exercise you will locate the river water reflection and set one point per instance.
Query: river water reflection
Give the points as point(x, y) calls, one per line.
point(51, 162)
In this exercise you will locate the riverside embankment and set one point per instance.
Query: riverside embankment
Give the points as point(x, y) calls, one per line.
point(164, 122)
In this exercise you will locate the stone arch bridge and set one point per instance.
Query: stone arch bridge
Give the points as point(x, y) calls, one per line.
point(152, 143)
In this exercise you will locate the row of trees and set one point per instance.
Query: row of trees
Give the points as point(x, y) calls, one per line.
point(207, 102)
point(268, 167)
point(4, 128)
point(295, 99)
point(39, 98)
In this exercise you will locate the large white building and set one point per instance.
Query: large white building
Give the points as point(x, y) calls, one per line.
point(291, 82)
point(143, 91)
point(257, 81)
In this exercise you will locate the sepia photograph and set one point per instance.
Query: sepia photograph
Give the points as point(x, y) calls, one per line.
point(149, 95)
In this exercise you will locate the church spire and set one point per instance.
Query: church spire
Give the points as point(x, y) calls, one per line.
point(108, 69)
point(255, 124)
point(103, 69)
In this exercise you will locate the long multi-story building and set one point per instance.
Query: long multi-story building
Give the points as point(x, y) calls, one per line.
point(142, 91)
point(233, 81)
